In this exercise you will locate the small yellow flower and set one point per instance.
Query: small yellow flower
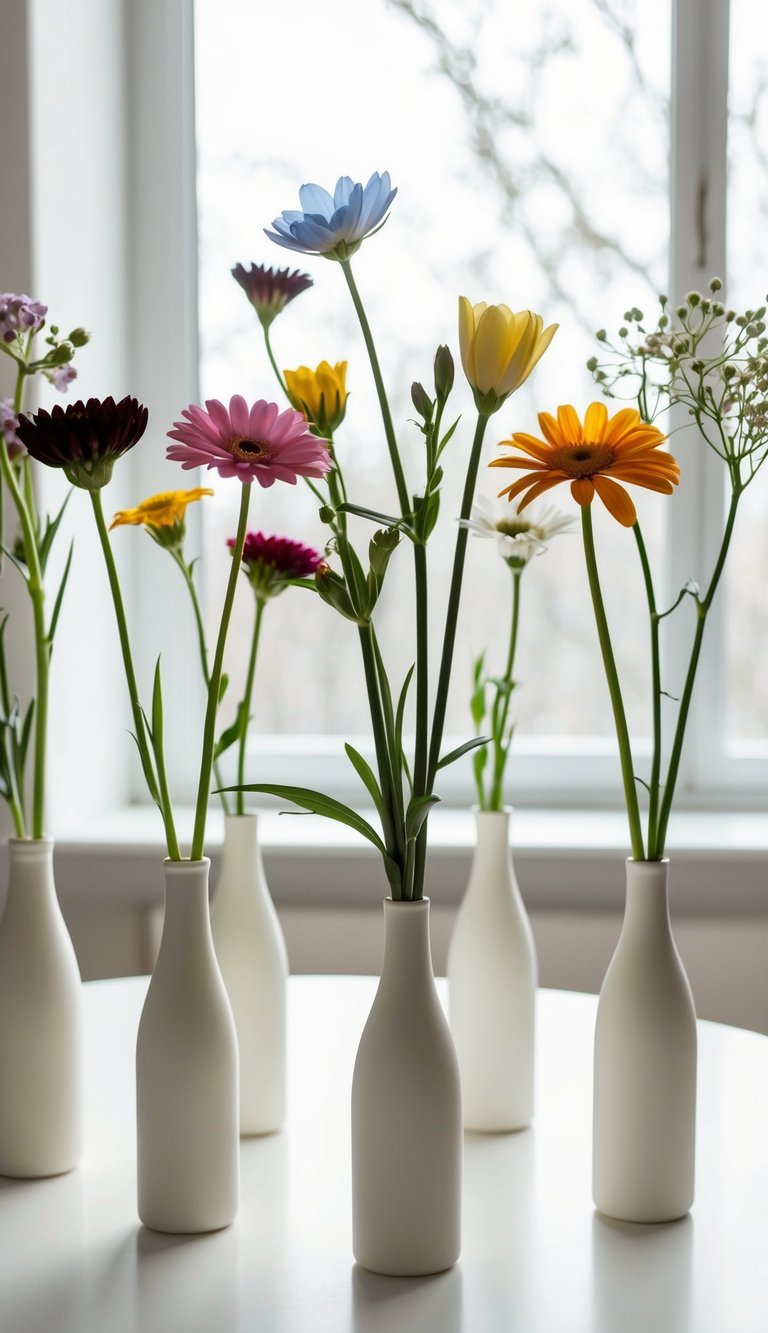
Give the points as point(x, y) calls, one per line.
point(162, 515)
point(320, 394)
point(499, 349)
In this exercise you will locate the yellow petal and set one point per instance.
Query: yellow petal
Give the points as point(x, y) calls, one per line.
point(466, 336)
point(570, 426)
point(491, 349)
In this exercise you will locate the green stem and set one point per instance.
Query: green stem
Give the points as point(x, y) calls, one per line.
point(386, 415)
point(203, 652)
point(273, 363)
point(614, 689)
point(422, 670)
point(246, 705)
point(130, 674)
point(383, 760)
point(454, 598)
point(449, 641)
point(702, 610)
point(655, 776)
point(42, 646)
point(209, 728)
point(502, 701)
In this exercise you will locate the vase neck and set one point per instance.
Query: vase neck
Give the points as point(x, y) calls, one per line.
point(647, 899)
point(492, 858)
point(30, 866)
point(407, 954)
point(187, 922)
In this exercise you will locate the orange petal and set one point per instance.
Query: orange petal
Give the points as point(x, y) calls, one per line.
point(529, 443)
point(595, 419)
point(519, 486)
point(583, 491)
point(661, 484)
point(550, 430)
point(625, 420)
point(519, 462)
point(545, 484)
point(570, 426)
point(616, 501)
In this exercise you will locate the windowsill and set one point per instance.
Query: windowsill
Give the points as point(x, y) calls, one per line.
point(566, 860)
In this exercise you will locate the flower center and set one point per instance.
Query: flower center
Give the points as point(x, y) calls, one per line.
point(583, 460)
point(248, 450)
point(512, 528)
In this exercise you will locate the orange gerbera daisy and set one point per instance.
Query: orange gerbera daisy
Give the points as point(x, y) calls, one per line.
point(594, 457)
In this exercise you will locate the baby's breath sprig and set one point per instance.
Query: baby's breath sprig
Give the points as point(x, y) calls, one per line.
point(708, 359)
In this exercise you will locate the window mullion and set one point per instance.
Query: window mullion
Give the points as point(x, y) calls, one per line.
point(697, 253)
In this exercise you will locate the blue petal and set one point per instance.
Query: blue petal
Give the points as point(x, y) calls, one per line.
point(287, 241)
point(344, 188)
point(314, 199)
point(345, 220)
point(314, 235)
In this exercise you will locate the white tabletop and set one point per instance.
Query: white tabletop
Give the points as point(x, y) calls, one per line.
point(536, 1257)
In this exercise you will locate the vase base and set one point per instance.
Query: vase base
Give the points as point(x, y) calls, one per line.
point(185, 1230)
point(47, 1173)
point(406, 1270)
point(659, 1218)
point(488, 1131)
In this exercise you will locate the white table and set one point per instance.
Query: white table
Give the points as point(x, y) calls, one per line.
point(536, 1257)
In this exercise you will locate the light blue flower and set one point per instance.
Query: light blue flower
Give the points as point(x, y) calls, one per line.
point(334, 225)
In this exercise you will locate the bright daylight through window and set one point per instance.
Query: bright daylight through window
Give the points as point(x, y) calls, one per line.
point(466, 106)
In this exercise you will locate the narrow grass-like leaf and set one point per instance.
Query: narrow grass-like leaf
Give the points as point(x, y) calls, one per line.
point(22, 568)
point(418, 809)
point(60, 595)
point(399, 715)
point(317, 804)
point(149, 776)
point(472, 744)
point(51, 528)
point(26, 732)
point(366, 774)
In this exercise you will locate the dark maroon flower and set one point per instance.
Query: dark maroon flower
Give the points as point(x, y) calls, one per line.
point(270, 289)
point(271, 562)
point(85, 439)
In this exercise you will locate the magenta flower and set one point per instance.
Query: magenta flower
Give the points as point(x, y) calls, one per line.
point(9, 424)
point(271, 562)
point(19, 314)
point(270, 289)
point(260, 443)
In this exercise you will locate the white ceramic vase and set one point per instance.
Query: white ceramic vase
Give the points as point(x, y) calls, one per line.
point(41, 1109)
point(492, 979)
point(406, 1113)
point(254, 964)
point(188, 1134)
point(645, 1064)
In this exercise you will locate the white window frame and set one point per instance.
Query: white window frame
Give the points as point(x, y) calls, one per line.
point(150, 338)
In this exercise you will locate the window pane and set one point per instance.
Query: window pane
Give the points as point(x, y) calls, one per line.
point(746, 606)
point(530, 147)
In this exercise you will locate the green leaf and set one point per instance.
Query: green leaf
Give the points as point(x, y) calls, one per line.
point(26, 732)
point(157, 711)
point(463, 749)
point(149, 776)
point(317, 804)
point(60, 595)
point(447, 437)
point(401, 708)
point(480, 759)
point(51, 528)
point(230, 734)
point(418, 809)
point(223, 683)
point(15, 561)
point(366, 774)
point(389, 520)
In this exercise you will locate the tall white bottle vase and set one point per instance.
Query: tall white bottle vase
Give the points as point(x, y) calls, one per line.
point(645, 1064)
point(254, 964)
point(41, 1107)
point(406, 1113)
point(188, 1135)
point(492, 979)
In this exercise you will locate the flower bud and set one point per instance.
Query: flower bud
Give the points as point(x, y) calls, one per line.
point(715, 285)
point(422, 401)
point(79, 337)
point(444, 372)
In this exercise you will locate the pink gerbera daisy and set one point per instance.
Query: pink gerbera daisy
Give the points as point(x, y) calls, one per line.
point(260, 443)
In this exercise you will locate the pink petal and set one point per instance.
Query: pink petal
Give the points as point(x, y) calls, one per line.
point(239, 415)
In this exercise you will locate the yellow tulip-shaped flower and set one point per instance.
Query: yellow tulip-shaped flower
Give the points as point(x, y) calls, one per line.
point(499, 349)
point(320, 394)
point(162, 515)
